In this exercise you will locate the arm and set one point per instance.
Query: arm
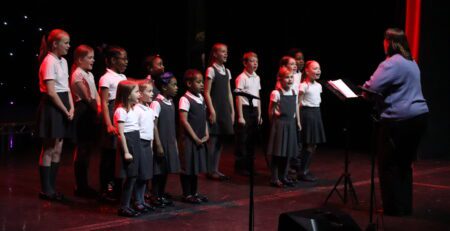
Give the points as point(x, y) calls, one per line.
point(260, 121)
point(105, 111)
point(240, 114)
point(55, 98)
point(72, 108)
point(272, 106)
point(230, 99)
point(159, 148)
point(212, 112)
point(206, 138)
point(123, 141)
point(297, 115)
point(184, 122)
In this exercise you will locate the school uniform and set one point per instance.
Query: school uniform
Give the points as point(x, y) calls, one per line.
point(283, 132)
point(52, 122)
point(193, 156)
point(130, 122)
point(85, 118)
point(311, 118)
point(146, 117)
point(220, 77)
point(165, 112)
point(109, 80)
point(246, 136)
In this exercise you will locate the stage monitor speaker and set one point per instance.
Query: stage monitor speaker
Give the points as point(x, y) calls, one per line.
point(317, 219)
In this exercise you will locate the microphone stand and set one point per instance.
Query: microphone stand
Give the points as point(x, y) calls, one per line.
point(251, 216)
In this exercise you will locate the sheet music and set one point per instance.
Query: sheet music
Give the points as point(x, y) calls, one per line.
point(342, 88)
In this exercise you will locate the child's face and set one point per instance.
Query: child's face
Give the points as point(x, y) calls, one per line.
point(251, 65)
point(172, 87)
point(221, 54)
point(287, 80)
point(134, 95)
point(121, 62)
point(147, 94)
point(196, 86)
point(313, 71)
point(292, 65)
point(300, 60)
point(157, 67)
point(87, 62)
point(62, 46)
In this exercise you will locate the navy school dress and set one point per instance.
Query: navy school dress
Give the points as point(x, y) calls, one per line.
point(283, 132)
point(170, 163)
point(193, 156)
point(221, 103)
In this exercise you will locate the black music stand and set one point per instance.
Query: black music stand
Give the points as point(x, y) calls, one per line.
point(348, 184)
point(376, 98)
point(251, 216)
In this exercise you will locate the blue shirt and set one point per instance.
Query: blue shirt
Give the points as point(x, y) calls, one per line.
point(398, 80)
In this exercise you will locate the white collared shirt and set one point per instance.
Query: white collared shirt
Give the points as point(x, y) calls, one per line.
point(129, 119)
point(146, 117)
point(111, 80)
point(54, 68)
point(311, 94)
point(249, 83)
point(80, 75)
point(275, 97)
point(222, 70)
point(155, 104)
point(184, 102)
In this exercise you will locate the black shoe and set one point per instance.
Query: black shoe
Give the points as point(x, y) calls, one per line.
point(167, 196)
point(277, 184)
point(87, 192)
point(149, 207)
point(107, 197)
point(288, 183)
point(166, 201)
point(157, 202)
point(47, 196)
point(201, 197)
point(307, 177)
point(141, 209)
point(242, 172)
point(191, 199)
point(127, 212)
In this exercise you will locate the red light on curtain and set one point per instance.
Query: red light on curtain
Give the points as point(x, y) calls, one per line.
point(412, 26)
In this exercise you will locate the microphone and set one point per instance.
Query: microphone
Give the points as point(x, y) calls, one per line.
point(239, 92)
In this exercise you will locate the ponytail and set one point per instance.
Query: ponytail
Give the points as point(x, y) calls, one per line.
point(42, 49)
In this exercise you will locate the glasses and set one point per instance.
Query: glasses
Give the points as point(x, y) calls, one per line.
point(122, 58)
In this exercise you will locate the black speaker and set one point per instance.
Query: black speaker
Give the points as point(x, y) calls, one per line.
point(317, 219)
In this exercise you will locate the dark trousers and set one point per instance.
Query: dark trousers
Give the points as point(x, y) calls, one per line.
point(246, 137)
point(397, 146)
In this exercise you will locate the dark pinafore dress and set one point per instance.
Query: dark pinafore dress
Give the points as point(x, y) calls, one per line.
point(283, 132)
point(221, 103)
point(170, 163)
point(193, 156)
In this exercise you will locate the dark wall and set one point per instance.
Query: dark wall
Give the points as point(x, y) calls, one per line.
point(434, 62)
point(345, 38)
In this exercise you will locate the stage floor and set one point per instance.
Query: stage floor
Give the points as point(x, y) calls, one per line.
point(20, 208)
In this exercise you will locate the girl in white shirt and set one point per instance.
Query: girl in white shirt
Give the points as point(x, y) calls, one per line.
point(56, 109)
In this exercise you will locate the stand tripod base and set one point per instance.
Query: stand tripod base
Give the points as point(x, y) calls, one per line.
point(348, 185)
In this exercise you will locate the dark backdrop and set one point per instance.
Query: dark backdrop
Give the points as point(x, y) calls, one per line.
point(344, 37)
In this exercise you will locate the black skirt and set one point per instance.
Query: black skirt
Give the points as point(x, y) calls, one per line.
point(52, 122)
point(129, 168)
point(86, 123)
point(146, 161)
point(312, 126)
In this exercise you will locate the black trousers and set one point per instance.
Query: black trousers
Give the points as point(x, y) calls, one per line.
point(246, 137)
point(397, 146)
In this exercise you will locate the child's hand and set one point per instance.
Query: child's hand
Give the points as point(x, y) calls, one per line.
point(299, 125)
point(70, 114)
point(212, 117)
point(159, 151)
point(260, 120)
point(205, 139)
point(128, 156)
point(241, 121)
point(112, 130)
point(198, 141)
